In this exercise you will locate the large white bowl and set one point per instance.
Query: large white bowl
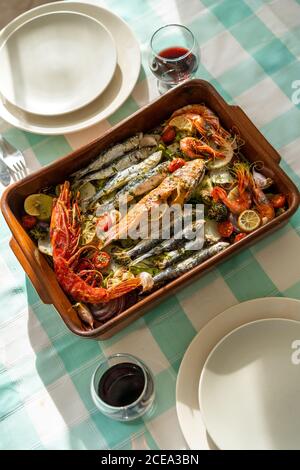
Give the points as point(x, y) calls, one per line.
point(56, 63)
point(250, 387)
point(187, 385)
point(118, 90)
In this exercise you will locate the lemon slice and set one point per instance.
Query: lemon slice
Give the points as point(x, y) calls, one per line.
point(249, 220)
point(182, 123)
point(39, 205)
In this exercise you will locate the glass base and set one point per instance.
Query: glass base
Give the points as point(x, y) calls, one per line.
point(163, 87)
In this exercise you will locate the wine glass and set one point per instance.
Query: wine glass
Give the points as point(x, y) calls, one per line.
point(122, 387)
point(173, 55)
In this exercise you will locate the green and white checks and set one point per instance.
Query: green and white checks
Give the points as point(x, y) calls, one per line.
point(250, 52)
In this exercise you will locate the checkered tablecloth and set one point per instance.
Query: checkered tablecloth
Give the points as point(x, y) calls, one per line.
point(250, 52)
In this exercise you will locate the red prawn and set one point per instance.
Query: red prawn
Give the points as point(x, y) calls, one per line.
point(64, 235)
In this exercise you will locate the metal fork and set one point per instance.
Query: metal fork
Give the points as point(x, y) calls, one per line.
point(19, 171)
point(14, 159)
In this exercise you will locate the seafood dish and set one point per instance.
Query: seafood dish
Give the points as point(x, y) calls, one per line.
point(149, 209)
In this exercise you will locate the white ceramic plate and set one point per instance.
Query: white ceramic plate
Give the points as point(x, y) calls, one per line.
point(249, 388)
point(56, 63)
point(187, 403)
point(120, 87)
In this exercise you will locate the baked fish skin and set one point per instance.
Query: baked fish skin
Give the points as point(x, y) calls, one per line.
point(174, 189)
point(167, 259)
point(131, 158)
point(143, 184)
point(142, 246)
point(182, 237)
point(174, 271)
point(109, 155)
point(136, 187)
point(126, 175)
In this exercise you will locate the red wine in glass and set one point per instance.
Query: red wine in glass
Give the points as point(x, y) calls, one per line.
point(122, 384)
point(173, 55)
point(122, 387)
point(174, 64)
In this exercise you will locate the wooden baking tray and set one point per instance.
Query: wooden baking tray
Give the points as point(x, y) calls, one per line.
point(195, 91)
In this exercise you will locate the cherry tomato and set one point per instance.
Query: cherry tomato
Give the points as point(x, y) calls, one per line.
point(104, 222)
point(175, 164)
point(29, 221)
point(101, 260)
point(278, 200)
point(168, 135)
point(225, 228)
point(239, 237)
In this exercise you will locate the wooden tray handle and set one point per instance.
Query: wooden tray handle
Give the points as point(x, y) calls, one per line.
point(245, 123)
point(33, 276)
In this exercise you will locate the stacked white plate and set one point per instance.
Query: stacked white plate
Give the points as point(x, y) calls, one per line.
point(238, 386)
point(65, 66)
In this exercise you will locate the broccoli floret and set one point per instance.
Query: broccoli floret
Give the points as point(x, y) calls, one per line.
point(217, 212)
point(40, 231)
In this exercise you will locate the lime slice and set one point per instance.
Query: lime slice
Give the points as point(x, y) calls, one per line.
point(39, 205)
point(249, 220)
point(182, 123)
